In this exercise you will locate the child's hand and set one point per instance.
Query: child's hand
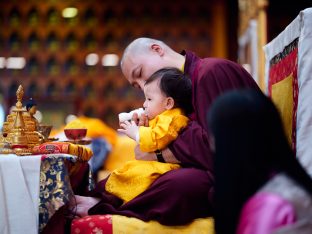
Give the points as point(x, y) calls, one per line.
point(129, 128)
point(140, 120)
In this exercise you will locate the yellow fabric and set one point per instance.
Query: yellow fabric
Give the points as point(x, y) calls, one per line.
point(163, 129)
point(82, 152)
point(282, 96)
point(97, 128)
point(122, 152)
point(135, 177)
point(123, 224)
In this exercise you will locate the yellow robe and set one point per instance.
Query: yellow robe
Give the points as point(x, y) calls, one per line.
point(136, 176)
point(162, 130)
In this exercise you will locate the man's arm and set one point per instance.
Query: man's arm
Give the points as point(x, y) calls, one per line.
point(166, 153)
point(192, 147)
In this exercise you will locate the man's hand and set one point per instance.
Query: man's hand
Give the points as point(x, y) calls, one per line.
point(167, 155)
point(80, 205)
point(141, 120)
point(139, 155)
point(130, 129)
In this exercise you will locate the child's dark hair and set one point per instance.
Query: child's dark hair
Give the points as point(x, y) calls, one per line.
point(174, 83)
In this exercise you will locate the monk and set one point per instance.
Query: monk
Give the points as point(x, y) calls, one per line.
point(179, 196)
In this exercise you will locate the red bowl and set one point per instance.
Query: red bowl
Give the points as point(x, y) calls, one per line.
point(75, 134)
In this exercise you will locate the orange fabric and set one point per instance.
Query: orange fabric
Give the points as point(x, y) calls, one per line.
point(122, 152)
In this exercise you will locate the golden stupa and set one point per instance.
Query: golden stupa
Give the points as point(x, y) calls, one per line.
point(20, 131)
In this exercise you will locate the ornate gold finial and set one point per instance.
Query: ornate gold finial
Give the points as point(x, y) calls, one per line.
point(19, 95)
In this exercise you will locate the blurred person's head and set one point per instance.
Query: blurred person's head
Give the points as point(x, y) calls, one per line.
point(165, 89)
point(31, 107)
point(250, 146)
point(144, 56)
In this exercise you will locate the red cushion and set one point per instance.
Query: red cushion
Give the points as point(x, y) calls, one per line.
point(99, 224)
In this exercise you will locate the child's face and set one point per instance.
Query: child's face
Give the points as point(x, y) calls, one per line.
point(155, 101)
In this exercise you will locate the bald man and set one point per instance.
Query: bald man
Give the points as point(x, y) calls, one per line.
point(179, 196)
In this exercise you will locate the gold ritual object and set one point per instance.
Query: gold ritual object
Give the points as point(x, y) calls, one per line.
point(20, 130)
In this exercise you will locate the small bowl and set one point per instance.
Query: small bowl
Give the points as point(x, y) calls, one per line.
point(75, 134)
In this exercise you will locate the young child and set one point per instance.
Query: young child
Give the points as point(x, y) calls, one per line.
point(168, 99)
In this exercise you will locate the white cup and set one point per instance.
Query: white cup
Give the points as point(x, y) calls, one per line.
point(124, 116)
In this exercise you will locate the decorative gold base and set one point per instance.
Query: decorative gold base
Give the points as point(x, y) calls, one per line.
point(22, 152)
point(6, 151)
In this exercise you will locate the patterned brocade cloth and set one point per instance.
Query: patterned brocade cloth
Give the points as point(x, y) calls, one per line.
point(112, 224)
point(82, 152)
point(288, 79)
point(283, 87)
point(60, 176)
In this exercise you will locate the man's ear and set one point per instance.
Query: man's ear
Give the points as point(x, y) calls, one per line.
point(158, 49)
point(169, 103)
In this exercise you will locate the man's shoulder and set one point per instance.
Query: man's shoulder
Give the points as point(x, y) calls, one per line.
point(216, 62)
point(212, 67)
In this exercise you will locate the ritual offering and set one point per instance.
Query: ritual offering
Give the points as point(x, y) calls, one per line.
point(76, 132)
point(20, 130)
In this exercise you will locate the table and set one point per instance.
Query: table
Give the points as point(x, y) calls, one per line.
point(34, 187)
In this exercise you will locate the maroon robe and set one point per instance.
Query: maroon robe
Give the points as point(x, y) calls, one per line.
point(211, 77)
point(179, 196)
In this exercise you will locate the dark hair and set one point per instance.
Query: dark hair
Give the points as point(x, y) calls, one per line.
point(30, 104)
point(174, 83)
point(250, 145)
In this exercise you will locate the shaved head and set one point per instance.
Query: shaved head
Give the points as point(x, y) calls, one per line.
point(144, 56)
point(141, 46)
